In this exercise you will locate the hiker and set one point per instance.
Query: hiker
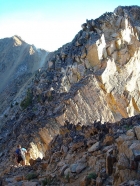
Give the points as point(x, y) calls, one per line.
point(20, 155)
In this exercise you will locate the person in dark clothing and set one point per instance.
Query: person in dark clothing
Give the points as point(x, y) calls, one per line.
point(20, 155)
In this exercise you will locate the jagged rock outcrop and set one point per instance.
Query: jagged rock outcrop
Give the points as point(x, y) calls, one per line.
point(79, 153)
point(99, 69)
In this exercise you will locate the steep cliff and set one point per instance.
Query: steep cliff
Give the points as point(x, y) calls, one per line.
point(109, 48)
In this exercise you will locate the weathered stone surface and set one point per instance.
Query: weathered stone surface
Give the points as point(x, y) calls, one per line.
point(136, 155)
point(94, 147)
point(29, 183)
point(80, 167)
point(123, 162)
point(63, 169)
point(19, 178)
point(131, 133)
point(77, 146)
point(125, 175)
point(85, 181)
point(137, 131)
point(73, 167)
point(109, 140)
point(99, 181)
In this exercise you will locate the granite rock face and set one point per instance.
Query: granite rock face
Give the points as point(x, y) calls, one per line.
point(101, 67)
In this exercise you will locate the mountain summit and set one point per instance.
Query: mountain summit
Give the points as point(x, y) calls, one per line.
point(18, 62)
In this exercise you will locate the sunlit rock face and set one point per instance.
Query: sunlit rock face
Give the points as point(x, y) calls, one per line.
point(100, 69)
point(113, 54)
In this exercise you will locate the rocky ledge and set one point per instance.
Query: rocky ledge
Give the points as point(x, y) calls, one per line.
point(97, 154)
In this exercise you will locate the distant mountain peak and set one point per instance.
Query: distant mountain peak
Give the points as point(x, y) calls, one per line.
point(17, 40)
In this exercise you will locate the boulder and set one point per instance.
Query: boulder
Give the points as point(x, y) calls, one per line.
point(123, 162)
point(136, 155)
point(85, 181)
point(80, 167)
point(18, 178)
point(78, 145)
point(44, 165)
point(94, 147)
point(109, 140)
point(137, 131)
point(63, 169)
point(73, 167)
point(131, 133)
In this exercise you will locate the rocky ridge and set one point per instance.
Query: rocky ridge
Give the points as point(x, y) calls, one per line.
point(107, 51)
point(97, 154)
point(18, 63)
point(95, 77)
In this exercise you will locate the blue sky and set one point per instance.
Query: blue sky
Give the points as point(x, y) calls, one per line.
point(50, 24)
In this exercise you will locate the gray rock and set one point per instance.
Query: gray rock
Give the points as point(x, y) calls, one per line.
point(80, 167)
point(137, 131)
point(94, 147)
point(73, 168)
point(63, 169)
point(136, 155)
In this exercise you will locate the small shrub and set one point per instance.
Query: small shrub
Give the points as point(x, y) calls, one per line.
point(67, 177)
point(16, 103)
point(92, 175)
point(31, 176)
point(11, 105)
point(34, 109)
point(5, 115)
point(46, 182)
point(127, 127)
point(27, 101)
point(39, 98)
point(50, 98)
